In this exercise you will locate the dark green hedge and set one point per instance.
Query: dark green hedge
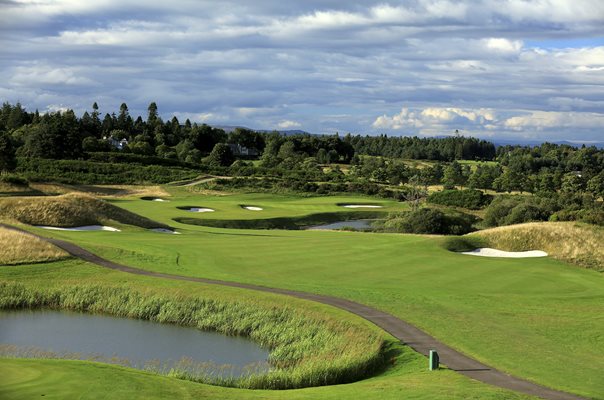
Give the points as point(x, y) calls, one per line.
point(89, 172)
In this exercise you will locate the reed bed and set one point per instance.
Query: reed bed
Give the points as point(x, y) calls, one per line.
point(21, 248)
point(307, 348)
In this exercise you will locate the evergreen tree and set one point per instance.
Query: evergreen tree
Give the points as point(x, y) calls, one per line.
point(7, 152)
point(221, 155)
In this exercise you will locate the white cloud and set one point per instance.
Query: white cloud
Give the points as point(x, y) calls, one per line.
point(434, 117)
point(555, 120)
point(42, 74)
point(503, 45)
point(442, 120)
point(454, 64)
point(288, 124)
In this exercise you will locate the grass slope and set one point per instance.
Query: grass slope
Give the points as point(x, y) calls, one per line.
point(550, 311)
point(573, 242)
point(69, 210)
point(408, 376)
point(21, 248)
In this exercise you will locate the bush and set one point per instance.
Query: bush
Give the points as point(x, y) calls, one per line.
point(13, 179)
point(508, 210)
point(468, 198)
point(431, 221)
point(595, 217)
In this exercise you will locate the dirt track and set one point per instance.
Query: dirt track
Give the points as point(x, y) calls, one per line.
point(405, 332)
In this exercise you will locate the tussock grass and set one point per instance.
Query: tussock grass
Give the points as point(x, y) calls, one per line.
point(307, 348)
point(101, 190)
point(576, 243)
point(73, 209)
point(21, 248)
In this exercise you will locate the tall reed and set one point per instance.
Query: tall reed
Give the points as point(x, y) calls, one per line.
point(307, 348)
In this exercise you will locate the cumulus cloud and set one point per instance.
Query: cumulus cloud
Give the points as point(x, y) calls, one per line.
point(484, 121)
point(453, 64)
point(503, 45)
point(555, 120)
point(288, 124)
point(435, 117)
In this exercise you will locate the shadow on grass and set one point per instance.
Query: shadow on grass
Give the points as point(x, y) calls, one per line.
point(288, 223)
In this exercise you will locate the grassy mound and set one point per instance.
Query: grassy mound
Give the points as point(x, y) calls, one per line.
point(69, 210)
point(576, 243)
point(21, 248)
point(290, 223)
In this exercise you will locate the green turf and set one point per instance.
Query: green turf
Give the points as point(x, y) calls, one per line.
point(538, 318)
point(63, 379)
point(228, 206)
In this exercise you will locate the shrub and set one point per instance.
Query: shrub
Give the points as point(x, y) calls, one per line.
point(431, 221)
point(468, 198)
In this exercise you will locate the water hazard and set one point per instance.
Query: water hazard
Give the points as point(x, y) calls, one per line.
point(359, 224)
point(131, 342)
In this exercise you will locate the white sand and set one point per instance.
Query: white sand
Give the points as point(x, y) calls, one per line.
point(487, 252)
point(200, 209)
point(160, 200)
point(252, 208)
point(361, 206)
point(83, 228)
point(164, 230)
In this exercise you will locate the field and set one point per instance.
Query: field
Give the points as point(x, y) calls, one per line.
point(538, 319)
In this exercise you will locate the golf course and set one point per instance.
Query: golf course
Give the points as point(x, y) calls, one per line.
point(538, 319)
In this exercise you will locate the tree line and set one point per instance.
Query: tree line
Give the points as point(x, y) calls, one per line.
point(63, 135)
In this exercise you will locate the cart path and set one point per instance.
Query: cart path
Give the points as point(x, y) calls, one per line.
point(408, 334)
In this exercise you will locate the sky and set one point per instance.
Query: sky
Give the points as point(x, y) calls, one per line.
point(492, 69)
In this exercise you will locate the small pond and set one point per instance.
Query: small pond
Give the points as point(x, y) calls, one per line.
point(131, 342)
point(360, 224)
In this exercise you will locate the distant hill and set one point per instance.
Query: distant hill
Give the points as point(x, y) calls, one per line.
point(289, 132)
point(536, 142)
point(497, 141)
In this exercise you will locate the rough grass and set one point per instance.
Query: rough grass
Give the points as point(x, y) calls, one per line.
point(21, 248)
point(306, 348)
point(576, 243)
point(101, 190)
point(69, 210)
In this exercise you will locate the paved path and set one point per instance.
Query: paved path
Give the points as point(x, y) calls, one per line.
point(410, 335)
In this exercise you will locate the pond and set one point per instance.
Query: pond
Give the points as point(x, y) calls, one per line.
point(131, 342)
point(360, 224)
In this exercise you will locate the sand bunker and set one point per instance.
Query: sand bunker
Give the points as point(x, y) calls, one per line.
point(154, 199)
point(164, 230)
point(361, 206)
point(83, 228)
point(200, 209)
point(488, 252)
point(252, 208)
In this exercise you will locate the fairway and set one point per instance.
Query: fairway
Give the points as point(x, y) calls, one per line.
point(539, 319)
